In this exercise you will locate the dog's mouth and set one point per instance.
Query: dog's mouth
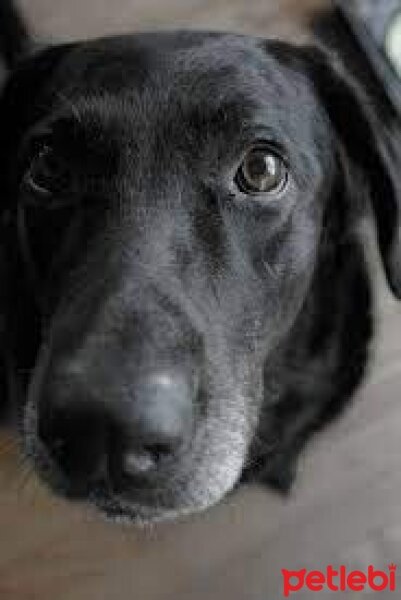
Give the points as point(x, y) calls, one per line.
point(119, 496)
point(201, 476)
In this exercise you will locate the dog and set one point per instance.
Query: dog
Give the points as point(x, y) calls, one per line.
point(185, 297)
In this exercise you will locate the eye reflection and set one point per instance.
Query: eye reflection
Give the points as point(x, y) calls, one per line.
point(261, 171)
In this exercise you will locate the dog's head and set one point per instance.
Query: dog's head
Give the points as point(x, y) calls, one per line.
point(169, 193)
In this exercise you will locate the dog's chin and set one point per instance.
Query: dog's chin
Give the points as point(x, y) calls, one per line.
point(119, 509)
point(126, 506)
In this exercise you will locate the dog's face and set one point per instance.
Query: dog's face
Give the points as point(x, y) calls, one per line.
point(185, 178)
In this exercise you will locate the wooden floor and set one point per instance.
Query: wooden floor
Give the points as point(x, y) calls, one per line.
point(346, 508)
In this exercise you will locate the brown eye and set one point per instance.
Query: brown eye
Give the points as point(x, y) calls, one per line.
point(261, 171)
point(47, 176)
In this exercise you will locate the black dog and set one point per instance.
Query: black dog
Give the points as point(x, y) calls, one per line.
point(185, 296)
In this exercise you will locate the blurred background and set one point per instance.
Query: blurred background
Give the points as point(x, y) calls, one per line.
point(65, 19)
point(346, 506)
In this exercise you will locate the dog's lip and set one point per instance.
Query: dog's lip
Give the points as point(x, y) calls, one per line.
point(142, 503)
point(136, 503)
point(133, 490)
point(118, 508)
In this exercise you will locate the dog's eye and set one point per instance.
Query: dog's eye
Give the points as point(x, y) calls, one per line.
point(261, 171)
point(47, 175)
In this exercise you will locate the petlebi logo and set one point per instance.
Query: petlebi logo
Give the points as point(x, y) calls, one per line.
point(339, 580)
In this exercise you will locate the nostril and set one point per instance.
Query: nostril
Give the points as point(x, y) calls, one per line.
point(75, 440)
point(138, 462)
point(151, 434)
point(144, 460)
point(159, 450)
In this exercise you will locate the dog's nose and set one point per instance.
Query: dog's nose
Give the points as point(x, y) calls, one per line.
point(157, 423)
point(129, 438)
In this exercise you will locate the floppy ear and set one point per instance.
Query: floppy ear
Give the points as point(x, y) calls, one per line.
point(14, 37)
point(24, 100)
point(371, 138)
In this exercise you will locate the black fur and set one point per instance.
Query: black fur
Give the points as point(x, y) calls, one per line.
point(14, 38)
point(262, 307)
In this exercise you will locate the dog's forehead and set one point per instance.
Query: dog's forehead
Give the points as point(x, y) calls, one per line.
point(203, 85)
point(191, 67)
point(137, 57)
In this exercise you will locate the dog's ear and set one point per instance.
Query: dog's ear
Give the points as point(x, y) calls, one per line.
point(371, 140)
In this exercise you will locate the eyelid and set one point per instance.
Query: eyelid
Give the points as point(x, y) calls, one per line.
point(272, 145)
point(28, 183)
point(31, 146)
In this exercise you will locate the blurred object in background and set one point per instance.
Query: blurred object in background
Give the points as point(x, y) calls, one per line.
point(377, 26)
point(68, 19)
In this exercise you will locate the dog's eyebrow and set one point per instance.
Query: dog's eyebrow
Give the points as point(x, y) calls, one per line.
point(224, 112)
point(212, 115)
